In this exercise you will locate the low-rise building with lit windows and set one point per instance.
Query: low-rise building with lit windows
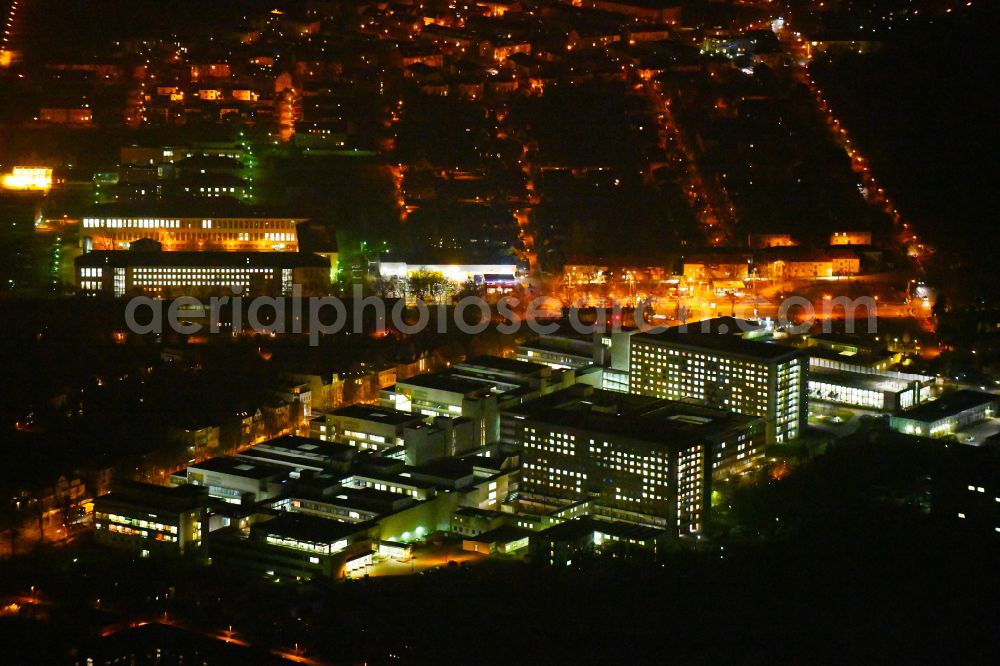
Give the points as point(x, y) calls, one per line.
point(851, 238)
point(310, 533)
point(456, 274)
point(27, 179)
point(302, 454)
point(605, 353)
point(412, 438)
point(397, 517)
point(163, 274)
point(444, 394)
point(235, 480)
point(476, 389)
point(504, 540)
point(883, 391)
point(725, 369)
point(149, 519)
point(205, 225)
point(351, 505)
point(400, 483)
point(295, 546)
point(585, 537)
point(645, 460)
point(539, 514)
point(560, 352)
point(850, 352)
point(365, 426)
point(723, 267)
point(947, 415)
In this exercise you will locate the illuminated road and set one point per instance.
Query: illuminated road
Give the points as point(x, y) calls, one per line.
point(872, 191)
point(28, 537)
point(11, 24)
point(711, 205)
point(293, 654)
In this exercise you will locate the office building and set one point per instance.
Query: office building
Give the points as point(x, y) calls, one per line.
point(561, 351)
point(365, 427)
point(840, 350)
point(155, 273)
point(399, 483)
point(222, 227)
point(477, 389)
point(645, 460)
point(444, 394)
point(350, 505)
point(412, 438)
point(246, 234)
point(600, 358)
point(725, 370)
point(294, 546)
point(150, 519)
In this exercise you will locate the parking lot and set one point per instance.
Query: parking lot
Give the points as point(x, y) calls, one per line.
point(976, 434)
point(426, 557)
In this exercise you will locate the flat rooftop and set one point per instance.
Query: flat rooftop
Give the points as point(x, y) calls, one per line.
point(377, 414)
point(473, 512)
point(238, 467)
point(637, 417)
point(722, 326)
point(501, 364)
point(164, 498)
point(502, 534)
point(446, 381)
point(305, 446)
point(691, 337)
point(365, 497)
point(852, 339)
point(554, 347)
point(207, 259)
point(190, 207)
point(304, 527)
point(580, 527)
point(949, 404)
point(401, 479)
point(445, 468)
point(866, 358)
point(368, 500)
point(857, 380)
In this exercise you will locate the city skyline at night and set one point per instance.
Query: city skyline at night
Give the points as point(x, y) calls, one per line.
point(618, 331)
